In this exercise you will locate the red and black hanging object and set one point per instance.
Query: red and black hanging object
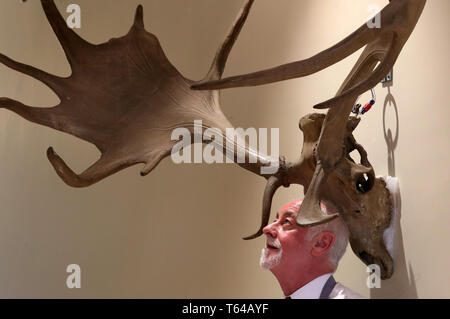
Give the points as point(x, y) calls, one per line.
point(356, 108)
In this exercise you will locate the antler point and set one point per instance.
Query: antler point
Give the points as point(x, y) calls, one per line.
point(139, 17)
point(253, 236)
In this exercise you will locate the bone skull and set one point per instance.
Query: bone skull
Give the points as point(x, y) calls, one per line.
point(361, 199)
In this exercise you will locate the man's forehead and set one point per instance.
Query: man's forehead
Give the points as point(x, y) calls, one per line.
point(290, 208)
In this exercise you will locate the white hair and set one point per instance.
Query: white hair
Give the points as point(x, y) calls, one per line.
point(341, 234)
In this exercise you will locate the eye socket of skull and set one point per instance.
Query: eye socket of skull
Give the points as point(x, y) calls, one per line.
point(364, 182)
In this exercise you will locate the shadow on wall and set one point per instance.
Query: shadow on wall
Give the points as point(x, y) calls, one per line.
point(403, 283)
point(390, 141)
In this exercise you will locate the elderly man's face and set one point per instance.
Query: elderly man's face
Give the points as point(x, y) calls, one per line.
point(285, 240)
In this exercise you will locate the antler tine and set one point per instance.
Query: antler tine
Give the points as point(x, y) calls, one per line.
point(320, 61)
point(310, 213)
point(273, 183)
point(104, 167)
point(139, 17)
point(52, 81)
point(70, 41)
point(39, 115)
point(153, 161)
point(220, 60)
point(378, 74)
point(363, 71)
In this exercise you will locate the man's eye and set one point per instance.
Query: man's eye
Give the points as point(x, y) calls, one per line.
point(287, 222)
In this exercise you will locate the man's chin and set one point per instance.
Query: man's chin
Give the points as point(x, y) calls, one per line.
point(268, 259)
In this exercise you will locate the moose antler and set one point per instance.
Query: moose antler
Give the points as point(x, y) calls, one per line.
point(96, 104)
point(125, 97)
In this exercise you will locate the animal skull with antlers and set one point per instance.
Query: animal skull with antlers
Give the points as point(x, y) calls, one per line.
point(125, 97)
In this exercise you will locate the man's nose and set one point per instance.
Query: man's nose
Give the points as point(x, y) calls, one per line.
point(270, 230)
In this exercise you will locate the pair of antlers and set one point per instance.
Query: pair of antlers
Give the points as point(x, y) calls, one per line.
point(125, 97)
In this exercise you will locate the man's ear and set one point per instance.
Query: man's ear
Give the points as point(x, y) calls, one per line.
point(322, 243)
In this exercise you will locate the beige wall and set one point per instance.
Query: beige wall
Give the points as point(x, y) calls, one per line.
point(177, 233)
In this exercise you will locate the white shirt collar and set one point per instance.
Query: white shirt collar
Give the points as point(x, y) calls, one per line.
point(311, 290)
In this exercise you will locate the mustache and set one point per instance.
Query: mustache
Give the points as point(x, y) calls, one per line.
point(273, 242)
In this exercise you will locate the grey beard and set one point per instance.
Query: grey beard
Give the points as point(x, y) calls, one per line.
point(268, 262)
